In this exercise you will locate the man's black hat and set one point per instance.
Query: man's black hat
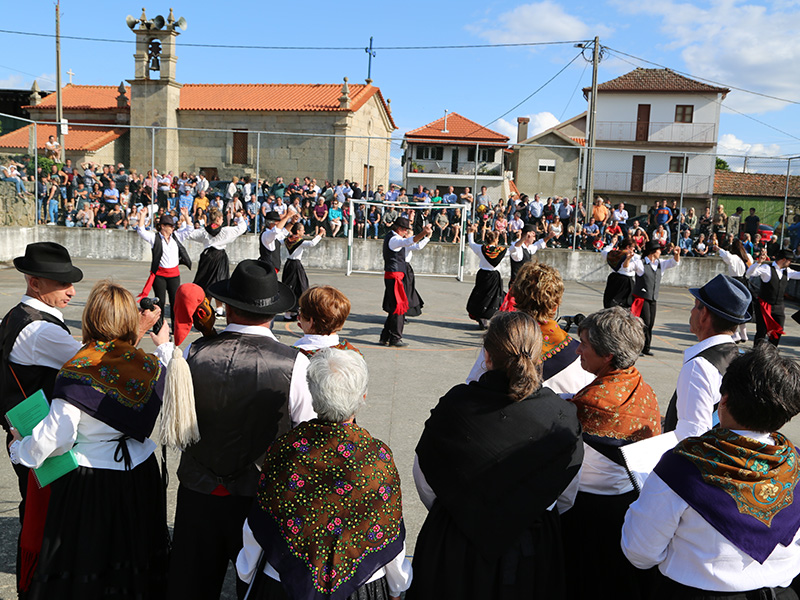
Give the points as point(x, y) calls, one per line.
point(50, 261)
point(401, 222)
point(254, 287)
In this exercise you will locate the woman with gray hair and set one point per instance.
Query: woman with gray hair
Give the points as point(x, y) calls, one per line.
point(617, 408)
point(328, 514)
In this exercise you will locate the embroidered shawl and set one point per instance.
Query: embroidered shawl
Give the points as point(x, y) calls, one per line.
point(115, 383)
point(292, 245)
point(213, 229)
point(329, 509)
point(493, 254)
point(619, 405)
point(743, 488)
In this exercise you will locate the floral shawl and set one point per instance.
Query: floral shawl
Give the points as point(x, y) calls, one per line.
point(329, 510)
point(619, 405)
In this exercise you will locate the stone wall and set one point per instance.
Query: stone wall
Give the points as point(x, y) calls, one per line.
point(436, 258)
point(15, 211)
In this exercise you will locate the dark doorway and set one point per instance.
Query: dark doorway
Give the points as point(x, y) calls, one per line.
point(454, 161)
point(642, 122)
point(239, 147)
point(637, 174)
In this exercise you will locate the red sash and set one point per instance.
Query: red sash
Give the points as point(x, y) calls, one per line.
point(30, 543)
point(774, 328)
point(399, 291)
point(509, 304)
point(161, 271)
point(636, 307)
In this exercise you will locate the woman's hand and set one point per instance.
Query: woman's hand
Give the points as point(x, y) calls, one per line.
point(162, 336)
point(15, 436)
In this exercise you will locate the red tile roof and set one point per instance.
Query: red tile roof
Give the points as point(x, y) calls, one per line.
point(228, 97)
point(578, 140)
point(655, 81)
point(80, 137)
point(760, 185)
point(458, 128)
point(86, 97)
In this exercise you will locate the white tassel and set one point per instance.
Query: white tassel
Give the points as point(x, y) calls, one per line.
point(178, 418)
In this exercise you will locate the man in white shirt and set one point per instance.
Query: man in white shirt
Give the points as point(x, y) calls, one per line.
point(770, 309)
point(719, 306)
point(720, 516)
point(249, 389)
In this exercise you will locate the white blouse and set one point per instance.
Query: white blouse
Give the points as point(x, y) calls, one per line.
point(222, 239)
point(476, 248)
point(297, 253)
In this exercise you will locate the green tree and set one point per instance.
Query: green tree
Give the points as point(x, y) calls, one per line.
point(722, 165)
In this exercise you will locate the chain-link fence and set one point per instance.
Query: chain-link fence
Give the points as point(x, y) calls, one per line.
point(166, 168)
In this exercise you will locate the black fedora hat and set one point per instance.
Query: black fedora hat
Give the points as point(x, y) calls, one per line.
point(272, 215)
point(651, 247)
point(50, 261)
point(166, 220)
point(725, 297)
point(254, 287)
point(401, 222)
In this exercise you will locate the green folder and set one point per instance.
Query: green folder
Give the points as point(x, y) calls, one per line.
point(24, 417)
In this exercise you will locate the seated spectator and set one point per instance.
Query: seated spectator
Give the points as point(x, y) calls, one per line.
point(455, 225)
point(718, 515)
point(70, 214)
point(700, 247)
point(321, 216)
point(555, 231)
point(592, 235)
point(616, 409)
point(501, 227)
point(661, 236)
point(612, 230)
point(389, 216)
point(373, 221)
point(346, 525)
point(685, 244)
point(335, 218)
point(515, 225)
point(639, 236)
point(115, 219)
point(52, 149)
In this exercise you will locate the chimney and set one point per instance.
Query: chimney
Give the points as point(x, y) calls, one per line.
point(122, 99)
point(344, 99)
point(522, 128)
point(35, 98)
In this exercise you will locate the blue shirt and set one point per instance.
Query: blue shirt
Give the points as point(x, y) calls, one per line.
point(450, 198)
point(535, 209)
point(185, 200)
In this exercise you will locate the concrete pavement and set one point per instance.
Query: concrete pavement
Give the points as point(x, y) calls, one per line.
point(404, 383)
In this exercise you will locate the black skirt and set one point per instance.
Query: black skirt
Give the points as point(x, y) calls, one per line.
point(595, 564)
point(294, 276)
point(105, 536)
point(619, 291)
point(266, 588)
point(486, 296)
point(213, 267)
point(415, 302)
point(448, 565)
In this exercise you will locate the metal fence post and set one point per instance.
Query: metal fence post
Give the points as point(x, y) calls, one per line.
point(785, 198)
point(258, 168)
point(683, 178)
point(154, 198)
point(461, 244)
point(36, 172)
point(473, 216)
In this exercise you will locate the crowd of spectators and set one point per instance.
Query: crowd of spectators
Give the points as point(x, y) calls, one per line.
point(108, 196)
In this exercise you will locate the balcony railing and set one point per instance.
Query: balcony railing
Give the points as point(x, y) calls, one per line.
point(657, 183)
point(627, 131)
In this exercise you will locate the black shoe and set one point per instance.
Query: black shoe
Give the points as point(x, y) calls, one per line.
point(383, 342)
point(646, 353)
point(398, 344)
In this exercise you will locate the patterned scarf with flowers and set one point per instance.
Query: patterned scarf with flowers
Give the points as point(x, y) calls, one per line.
point(115, 383)
point(329, 511)
point(743, 487)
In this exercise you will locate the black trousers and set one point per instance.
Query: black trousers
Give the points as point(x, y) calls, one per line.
point(649, 317)
point(667, 589)
point(206, 537)
point(393, 328)
point(761, 326)
point(163, 287)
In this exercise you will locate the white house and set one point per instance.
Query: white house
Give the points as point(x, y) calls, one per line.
point(656, 137)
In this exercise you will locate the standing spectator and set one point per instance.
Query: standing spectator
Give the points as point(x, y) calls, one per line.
point(565, 210)
point(441, 223)
point(535, 209)
point(600, 213)
point(450, 197)
point(664, 217)
point(620, 215)
point(548, 212)
point(466, 198)
point(751, 223)
point(692, 222)
point(720, 221)
point(483, 199)
point(706, 221)
point(278, 188)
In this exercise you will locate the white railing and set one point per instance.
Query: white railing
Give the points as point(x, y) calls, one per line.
point(626, 131)
point(662, 183)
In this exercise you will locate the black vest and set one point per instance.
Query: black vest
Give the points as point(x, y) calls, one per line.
point(516, 265)
point(720, 356)
point(31, 377)
point(647, 285)
point(772, 291)
point(271, 257)
point(158, 250)
point(241, 387)
point(393, 262)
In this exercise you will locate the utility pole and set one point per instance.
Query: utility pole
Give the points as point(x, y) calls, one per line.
point(592, 115)
point(59, 106)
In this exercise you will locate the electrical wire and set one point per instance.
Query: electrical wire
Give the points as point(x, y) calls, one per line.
point(572, 95)
point(325, 48)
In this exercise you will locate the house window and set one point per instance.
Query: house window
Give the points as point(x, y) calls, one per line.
point(430, 152)
point(487, 154)
point(239, 147)
point(547, 165)
point(684, 113)
point(470, 154)
point(678, 164)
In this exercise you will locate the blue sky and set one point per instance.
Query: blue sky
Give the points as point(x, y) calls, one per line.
point(749, 45)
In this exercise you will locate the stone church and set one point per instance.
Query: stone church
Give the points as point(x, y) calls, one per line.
point(326, 131)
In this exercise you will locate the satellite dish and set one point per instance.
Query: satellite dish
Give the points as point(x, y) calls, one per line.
point(131, 21)
point(159, 22)
point(181, 22)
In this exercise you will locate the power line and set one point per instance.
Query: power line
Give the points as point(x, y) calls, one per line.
point(733, 87)
point(325, 48)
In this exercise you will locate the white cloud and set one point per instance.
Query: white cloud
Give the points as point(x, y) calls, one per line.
point(536, 22)
point(730, 144)
point(539, 122)
point(23, 81)
point(732, 41)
